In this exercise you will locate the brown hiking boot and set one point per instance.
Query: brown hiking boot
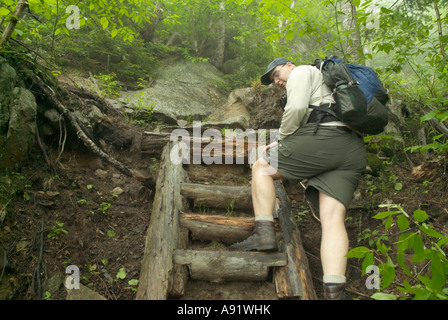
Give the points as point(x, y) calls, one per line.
point(261, 239)
point(336, 292)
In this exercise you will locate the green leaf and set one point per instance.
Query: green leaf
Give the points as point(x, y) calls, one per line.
point(429, 116)
point(383, 296)
point(429, 231)
point(420, 215)
point(438, 273)
point(443, 241)
point(121, 274)
point(421, 294)
point(398, 186)
point(358, 252)
point(419, 250)
point(104, 22)
point(356, 2)
point(368, 261)
point(133, 282)
point(388, 223)
point(384, 214)
point(3, 12)
point(403, 222)
point(289, 35)
point(387, 270)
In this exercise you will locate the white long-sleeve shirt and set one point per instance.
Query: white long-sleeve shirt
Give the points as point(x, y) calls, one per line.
point(304, 87)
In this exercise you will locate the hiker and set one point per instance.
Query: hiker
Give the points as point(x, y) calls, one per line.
point(329, 155)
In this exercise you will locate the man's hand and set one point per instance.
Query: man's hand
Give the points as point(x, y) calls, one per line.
point(273, 144)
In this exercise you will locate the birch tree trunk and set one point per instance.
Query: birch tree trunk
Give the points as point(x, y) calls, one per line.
point(21, 5)
point(218, 58)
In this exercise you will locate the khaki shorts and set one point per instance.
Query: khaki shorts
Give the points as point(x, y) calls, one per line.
point(332, 160)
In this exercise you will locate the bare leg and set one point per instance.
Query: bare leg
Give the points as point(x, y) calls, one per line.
point(334, 245)
point(263, 198)
point(263, 190)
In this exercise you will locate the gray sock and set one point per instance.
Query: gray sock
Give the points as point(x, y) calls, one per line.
point(334, 279)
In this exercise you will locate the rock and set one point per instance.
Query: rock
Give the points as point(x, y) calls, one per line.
point(52, 194)
point(116, 103)
point(183, 90)
point(101, 173)
point(374, 164)
point(8, 286)
point(235, 112)
point(8, 78)
point(21, 134)
point(54, 283)
point(95, 115)
point(53, 115)
point(83, 293)
point(117, 191)
point(182, 123)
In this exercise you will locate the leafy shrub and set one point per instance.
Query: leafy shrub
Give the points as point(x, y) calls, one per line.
point(420, 264)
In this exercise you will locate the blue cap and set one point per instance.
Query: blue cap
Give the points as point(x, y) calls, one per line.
point(276, 62)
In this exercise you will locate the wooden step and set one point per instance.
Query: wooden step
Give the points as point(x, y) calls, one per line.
point(168, 265)
point(228, 265)
point(219, 227)
point(219, 147)
point(215, 227)
point(215, 196)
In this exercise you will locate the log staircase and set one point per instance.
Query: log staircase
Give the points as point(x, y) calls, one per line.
point(192, 225)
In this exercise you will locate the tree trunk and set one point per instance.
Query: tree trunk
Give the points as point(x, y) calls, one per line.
point(221, 228)
point(353, 50)
point(148, 32)
point(214, 196)
point(229, 266)
point(21, 5)
point(218, 58)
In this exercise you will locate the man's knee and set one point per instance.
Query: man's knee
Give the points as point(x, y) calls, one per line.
point(330, 209)
point(262, 167)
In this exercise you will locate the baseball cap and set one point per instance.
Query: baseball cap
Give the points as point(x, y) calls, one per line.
point(276, 62)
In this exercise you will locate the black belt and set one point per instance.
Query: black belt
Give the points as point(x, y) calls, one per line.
point(345, 129)
point(319, 117)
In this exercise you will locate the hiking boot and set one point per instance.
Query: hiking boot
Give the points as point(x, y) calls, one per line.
point(336, 292)
point(261, 239)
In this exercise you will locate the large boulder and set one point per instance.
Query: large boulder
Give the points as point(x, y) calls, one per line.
point(21, 134)
point(8, 78)
point(183, 90)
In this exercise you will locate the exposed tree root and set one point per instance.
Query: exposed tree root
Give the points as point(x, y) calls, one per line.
point(51, 96)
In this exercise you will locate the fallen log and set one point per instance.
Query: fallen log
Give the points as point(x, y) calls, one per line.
point(213, 196)
point(179, 279)
point(214, 147)
point(217, 266)
point(294, 280)
point(163, 232)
